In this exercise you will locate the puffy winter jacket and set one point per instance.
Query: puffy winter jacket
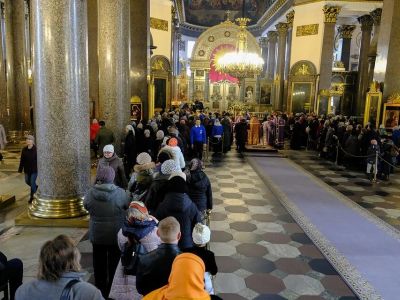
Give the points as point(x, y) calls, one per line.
point(106, 204)
point(200, 190)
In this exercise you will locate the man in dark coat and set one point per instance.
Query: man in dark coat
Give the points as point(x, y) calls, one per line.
point(104, 137)
point(177, 203)
point(154, 267)
point(241, 134)
point(28, 164)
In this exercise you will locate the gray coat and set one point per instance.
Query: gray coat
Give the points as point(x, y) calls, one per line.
point(116, 163)
point(46, 290)
point(106, 204)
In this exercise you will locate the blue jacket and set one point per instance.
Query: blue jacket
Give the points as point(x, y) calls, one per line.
point(198, 134)
point(217, 130)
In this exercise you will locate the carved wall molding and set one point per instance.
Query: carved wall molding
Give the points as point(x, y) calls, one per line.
point(158, 24)
point(304, 30)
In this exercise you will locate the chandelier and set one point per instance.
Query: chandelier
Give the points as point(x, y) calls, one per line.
point(240, 63)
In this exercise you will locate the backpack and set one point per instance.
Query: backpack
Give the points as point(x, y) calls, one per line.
point(130, 256)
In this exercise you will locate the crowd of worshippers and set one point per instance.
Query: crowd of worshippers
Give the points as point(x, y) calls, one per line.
point(349, 143)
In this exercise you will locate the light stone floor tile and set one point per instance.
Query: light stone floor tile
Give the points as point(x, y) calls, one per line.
point(263, 227)
point(354, 188)
point(303, 285)
point(222, 249)
point(281, 250)
point(228, 283)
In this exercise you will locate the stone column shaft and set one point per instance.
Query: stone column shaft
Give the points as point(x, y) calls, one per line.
point(376, 16)
point(3, 82)
point(328, 41)
point(272, 37)
point(206, 85)
point(257, 91)
point(242, 89)
point(93, 59)
point(264, 53)
point(289, 19)
point(362, 80)
point(20, 61)
point(191, 86)
point(280, 69)
point(346, 32)
point(388, 62)
point(114, 44)
point(61, 93)
point(140, 51)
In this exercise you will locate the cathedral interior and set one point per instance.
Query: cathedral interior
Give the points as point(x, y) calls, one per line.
point(286, 223)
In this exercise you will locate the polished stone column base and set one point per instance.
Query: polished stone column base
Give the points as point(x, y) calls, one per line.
point(57, 208)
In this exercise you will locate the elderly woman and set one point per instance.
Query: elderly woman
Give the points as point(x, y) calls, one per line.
point(106, 204)
point(139, 227)
point(59, 273)
point(111, 159)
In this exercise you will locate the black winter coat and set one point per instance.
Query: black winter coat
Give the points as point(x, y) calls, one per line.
point(130, 150)
point(180, 206)
point(28, 161)
point(200, 190)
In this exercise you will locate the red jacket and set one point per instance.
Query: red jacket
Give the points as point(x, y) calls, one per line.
point(94, 129)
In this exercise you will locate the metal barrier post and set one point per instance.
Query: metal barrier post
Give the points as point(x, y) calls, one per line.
point(376, 166)
point(337, 154)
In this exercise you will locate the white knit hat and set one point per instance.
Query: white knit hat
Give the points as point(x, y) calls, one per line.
point(108, 148)
point(168, 167)
point(177, 174)
point(143, 158)
point(201, 234)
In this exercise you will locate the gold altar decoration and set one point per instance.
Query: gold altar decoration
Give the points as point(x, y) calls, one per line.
point(394, 98)
point(236, 107)
point(331, 13)
point(305, 30)
point(373, 105)
point(241, 63)
point(158, 24)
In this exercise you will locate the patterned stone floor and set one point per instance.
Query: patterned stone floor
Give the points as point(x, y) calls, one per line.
point(261, 252)
point(381, 199)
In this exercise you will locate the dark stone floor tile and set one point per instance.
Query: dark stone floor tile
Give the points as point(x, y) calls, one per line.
point(301, 238)
point(243, 180)
point(264, 217)
point(363, 183)
point(286, 218)
point(243, 226)
point(346, 193)
point(257, 264)
point(249, 191)
point(217, 216)
point(348, 176)
point(366, 205)
point(224, 176)
point(310, 251)
point(279, 210)
point(251, 250)
point(236, 209)
point(276, 238)
point(247, 237)
point(322, 266)
point(336, 286)
point(227, 264)
point(292, 228)
point(348, 298)
point(220, 236)
point(227, 185)
point(292, 266)
point(310, 297)
point(255, 202)
point(269, 297)
point(232, 195)
point(382, 193)
point(217, 201)
point(265, 283)
point(227, 296)
point(331, 183)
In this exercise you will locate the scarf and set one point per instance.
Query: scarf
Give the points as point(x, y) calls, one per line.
point(138, 229)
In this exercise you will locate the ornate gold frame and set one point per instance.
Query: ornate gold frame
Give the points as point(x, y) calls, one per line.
point(312, 89)
point(393, 101)
point(367, 112)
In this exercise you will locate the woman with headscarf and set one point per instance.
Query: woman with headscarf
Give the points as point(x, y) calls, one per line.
point(199, 186)
point(140, 227)
point(186, 281)
point(130, 150)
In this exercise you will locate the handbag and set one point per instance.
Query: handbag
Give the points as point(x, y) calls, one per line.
point(130, 256)
point(67, 289)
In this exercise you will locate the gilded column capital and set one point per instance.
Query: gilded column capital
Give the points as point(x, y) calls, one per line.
point(282, 28)
point(263, 41)
point(346, 31)
point(331, 13)
point(271, 35)
point(376, 16)
point(366, 22)
point(290, 18)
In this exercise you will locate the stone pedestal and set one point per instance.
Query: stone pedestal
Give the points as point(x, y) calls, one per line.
point(362, 80)
point(113, 39)
point(345, 33)
point(140, 51)
point(272, 38)
point(62, 108)
point(388, 63)
point(282, 29)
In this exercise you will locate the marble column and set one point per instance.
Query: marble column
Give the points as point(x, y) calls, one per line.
point(272, 38)
point(191, 86)
point(16, 10)
point(60, 80)
point(289, 20)
point(328, 40)
point(257, 91)
point(242, 89)
point(373, 48)
point(140, 51)
point(93, 59)
point(388, 63)
point(346, 33)
point(264, 53)
point(362, 80)
point(282, 29)
point(4, 118)
point(206, 85)
point(114, 45)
